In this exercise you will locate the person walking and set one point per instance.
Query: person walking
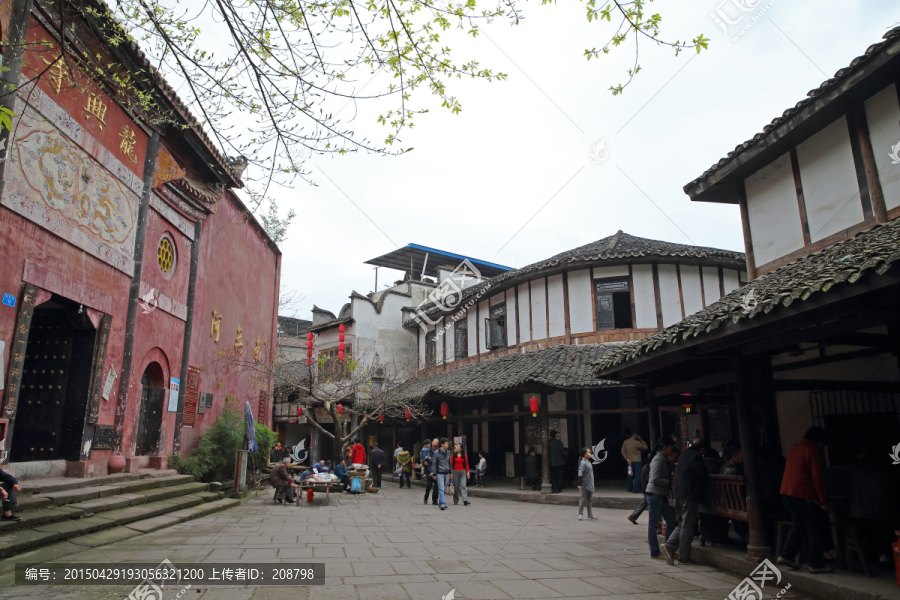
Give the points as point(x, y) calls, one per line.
point(424, 453)
point(404, 459)
point(531, 469)
point(557, 459)
point(431, 486)
point(280, 478)
point(397, 450)
point(586, 484)
point(659, 482)
point(805, 496)
point(377, 457)
point(459, 466)
point(690, 479)
point(631, 452)
point(480, 470)
point(645, 476)
point(442, 470)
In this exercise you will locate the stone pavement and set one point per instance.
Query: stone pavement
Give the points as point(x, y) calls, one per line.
point(391, 546)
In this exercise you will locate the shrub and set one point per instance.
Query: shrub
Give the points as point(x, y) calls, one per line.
point(214, 457)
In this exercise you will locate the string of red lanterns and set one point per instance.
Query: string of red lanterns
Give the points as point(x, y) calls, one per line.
point(341, 342)
point(309, 347)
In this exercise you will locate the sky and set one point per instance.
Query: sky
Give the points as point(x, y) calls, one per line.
point(550, 160)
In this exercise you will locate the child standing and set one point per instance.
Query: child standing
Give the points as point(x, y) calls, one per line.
point(480, 469)
point(586, 481)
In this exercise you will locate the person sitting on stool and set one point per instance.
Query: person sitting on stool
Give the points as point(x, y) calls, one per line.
point(281, 478)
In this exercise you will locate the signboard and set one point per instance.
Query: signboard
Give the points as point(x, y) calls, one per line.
point(191, 396)
point(173, 394)
point(107, 387)
point(103, 437)
point(201, 405)
point(9, 300)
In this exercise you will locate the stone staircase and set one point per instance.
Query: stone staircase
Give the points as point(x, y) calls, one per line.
point(101, 510)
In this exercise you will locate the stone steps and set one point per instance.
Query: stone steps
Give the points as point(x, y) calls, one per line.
point(54, 511)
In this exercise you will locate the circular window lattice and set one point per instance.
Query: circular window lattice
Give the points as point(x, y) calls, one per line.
point(166, 255)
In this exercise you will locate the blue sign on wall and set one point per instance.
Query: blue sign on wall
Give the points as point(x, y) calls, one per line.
point(9, 300)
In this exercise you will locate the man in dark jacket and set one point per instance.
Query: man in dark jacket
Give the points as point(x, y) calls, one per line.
point(690, 476)
point(281, 478)
point(442, 469)
point(557, 463)
point(377, 456)
point(277, 454)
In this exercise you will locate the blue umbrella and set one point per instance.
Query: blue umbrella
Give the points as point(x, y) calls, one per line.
point(250, 432)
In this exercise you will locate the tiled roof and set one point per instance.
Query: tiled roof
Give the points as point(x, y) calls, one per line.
point(869, 253)
point(614, 247)
point(840, 77)
point(564, 367)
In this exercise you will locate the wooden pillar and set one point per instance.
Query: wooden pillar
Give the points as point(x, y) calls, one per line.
point(757, 549)
point(859, 127)
point(545, 446)
point(653, 403)
point(704, 418)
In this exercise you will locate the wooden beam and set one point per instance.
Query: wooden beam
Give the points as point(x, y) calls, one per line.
point(874, 340)
point(702, 291)
point(859, 127)
point(802, 385)
point(694, 385)
point(659, 319)
point(801, 201)
point(516, 300)
point(568, 326)
point(830, 358)
point(680, 292)
point(630, 293)
point(748, 235)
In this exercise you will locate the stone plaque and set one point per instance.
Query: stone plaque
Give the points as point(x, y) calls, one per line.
point(103, 437)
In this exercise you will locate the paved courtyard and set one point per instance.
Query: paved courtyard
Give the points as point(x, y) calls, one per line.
point(391, 546)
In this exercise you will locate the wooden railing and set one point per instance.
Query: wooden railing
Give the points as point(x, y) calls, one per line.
point(726, 496)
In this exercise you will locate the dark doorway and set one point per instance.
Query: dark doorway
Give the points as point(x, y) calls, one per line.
point(150, 421)
point(56, 378)
point(501, 439)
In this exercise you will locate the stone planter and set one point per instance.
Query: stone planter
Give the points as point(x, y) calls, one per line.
point(215, 486)
point(116, 464)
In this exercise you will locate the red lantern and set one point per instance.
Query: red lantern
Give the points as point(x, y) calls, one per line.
point(309, 336)
point(341, 328)
point(341, 337)
point(340, 409)
point(341, 354)
point(408, 414)
point(299, 411)
point(341, 342)
point(445, 410)
point(381, 418)
point(535, 406)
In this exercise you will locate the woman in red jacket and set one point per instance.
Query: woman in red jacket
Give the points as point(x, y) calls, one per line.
point(459, 466)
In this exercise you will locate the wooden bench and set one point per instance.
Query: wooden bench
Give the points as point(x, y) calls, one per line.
point(726, 496)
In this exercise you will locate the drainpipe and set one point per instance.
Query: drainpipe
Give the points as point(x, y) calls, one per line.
point(135, 292)
point(12, 68)
point(188, 329)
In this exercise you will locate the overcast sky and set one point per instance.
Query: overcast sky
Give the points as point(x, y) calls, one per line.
point(520, 152)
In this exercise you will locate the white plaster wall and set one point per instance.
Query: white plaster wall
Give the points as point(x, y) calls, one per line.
point(883, 116)
point(439, 344)
point(743, 275)
point(470, 331)
point(538, 309)
point(690, 288)
point(557, 305)
point(730, 280)
point(421, 336)
point(497, 299)
point(644, 296)
point(668, 295)
point(450, 335)
point(710, 284)
point(830, 189)
point(604, 272)
point(482, 314)
point(773, 211)
point(524, 314)
point(581, 318)
point(381, 337)
point(511, 317)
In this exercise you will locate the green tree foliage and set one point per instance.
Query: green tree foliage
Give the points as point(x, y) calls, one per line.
point(214, 457)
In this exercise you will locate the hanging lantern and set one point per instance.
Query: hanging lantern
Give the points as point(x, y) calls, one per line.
point(535, 406)
point(381, 418)
point(309, 347)
point(408, 414)
point(445, 410)
point(299, 411)
point(341, 342)
point(341, 354)
point(340, 409)
point(341, 337)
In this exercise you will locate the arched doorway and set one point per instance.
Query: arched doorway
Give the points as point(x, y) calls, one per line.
point(55, 385)
point(150, 420)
